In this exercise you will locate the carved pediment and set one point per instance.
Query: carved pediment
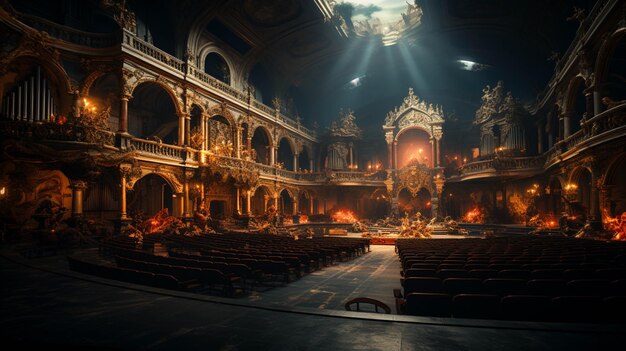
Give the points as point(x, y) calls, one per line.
point(415, 113)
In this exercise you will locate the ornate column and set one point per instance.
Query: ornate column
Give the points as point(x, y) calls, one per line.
point(238, 141)
point(203, 129)
point(438, 133)
point(272, 152)
point(567, 128)
point(597, 102)
point(78, 187)
point(276, 201)
point(265, 199)
point(249, 146)
point(295, 162)
point(311, 164)
point(295, 206)
point(395, 154)
point(181, 129)
point(248, 202)
point(351, 156)
point(238, 201)
point(186, 200)
point(123, 121)
point(311, 202)
point(187, 129)
point(589, 103)
point(389, 140)
point(124, 172)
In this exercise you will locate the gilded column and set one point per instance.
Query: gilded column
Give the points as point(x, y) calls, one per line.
point(389, 140)
point(432, 151)
point(238, 201)
point(123, 121)
point(295, 206)
point(295, 162)
point(311, 205)
point(186, 206)
point(248, 202)
point(187, 129)
point(272, 152)
point(78, 188)
point(238, 140)
point(395, 154)
point(249, 147)
point(311, 165)
point(203, 129)
point(181, 129)
point(124, 172)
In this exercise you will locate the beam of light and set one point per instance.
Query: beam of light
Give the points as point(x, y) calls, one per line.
point(416, 76)
point(471, 65)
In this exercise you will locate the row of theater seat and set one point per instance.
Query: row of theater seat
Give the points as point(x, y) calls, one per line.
point(512, 286)
point(610, 309)
point(164, 281)
point(573, 273)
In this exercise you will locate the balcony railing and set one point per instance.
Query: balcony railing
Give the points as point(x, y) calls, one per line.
point(150, 51)
point(49, 131)
point(71, 35)
point(155, 148)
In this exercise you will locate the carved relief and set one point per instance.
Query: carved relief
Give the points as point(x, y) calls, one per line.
point(346, 126)
point(414, 178)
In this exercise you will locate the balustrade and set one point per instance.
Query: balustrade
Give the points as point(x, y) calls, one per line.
point(71, 35)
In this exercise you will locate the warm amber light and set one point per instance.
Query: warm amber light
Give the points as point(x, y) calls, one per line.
point(3, 191)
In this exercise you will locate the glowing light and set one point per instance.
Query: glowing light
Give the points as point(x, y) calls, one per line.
point(471, 65)
point(344, 216)
point(615, 225)
point(474, 216)
point(3, 191)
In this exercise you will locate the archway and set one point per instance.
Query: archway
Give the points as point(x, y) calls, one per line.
point(582, 205)
point(150, 194)
point(261, 146)
point(414, 148)
point(216, 66)
point(285, 154)
point(577, 104)
point(261, 200)
point(376, 205)
point(305, 200)
point(104, 96)
point(413, 204)
point(152, 114)
point(610, 71)
point(304, 161)
point(615, 188)
point(285, 203)
point(554, 197)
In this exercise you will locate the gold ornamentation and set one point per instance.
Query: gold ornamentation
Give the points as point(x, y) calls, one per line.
point(414, 178)
point(345, 126)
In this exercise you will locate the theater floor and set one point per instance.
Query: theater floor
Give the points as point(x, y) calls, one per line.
point(44, 304)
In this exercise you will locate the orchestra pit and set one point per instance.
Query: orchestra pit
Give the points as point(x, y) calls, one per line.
point(313, 174)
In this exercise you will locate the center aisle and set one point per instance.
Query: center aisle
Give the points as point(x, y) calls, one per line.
point(372, 275)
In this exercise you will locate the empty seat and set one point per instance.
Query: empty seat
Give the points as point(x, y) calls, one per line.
point(455, 286)
point(547, 287)
point(422, 284)
point(514, 273)
point(578, 273)
point(476, 306)
point(429, 304)
point(452, 273)
point(547, 274)
point(589, 287)
point(482, 273)
point(525, 307)
point(611, 273)
point(614, 309)
point(618, 287)
point(576, 308)
point(418, 272)
point(504, 286)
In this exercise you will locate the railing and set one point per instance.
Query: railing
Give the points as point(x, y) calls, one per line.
point(156, 148)
point(48, 131)
point(153, 52)
point(71, 35)
point(163, 57)
point(591, 131)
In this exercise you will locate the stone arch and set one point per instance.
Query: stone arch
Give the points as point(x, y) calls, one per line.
point(575, 104)
point(262, 198)
point(407, 128)
point(170, 178)
point(152, 116)
point(286, 156)
point(286, 200)
point(268, 133)
point(178, 104)
point(604, 55)
point(582, 177)
point(150, 196)
point(222, 110)
point(208, 49)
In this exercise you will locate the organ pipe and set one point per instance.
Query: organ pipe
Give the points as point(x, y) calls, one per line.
point(30, 99)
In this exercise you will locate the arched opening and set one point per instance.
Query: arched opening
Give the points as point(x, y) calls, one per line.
point(195, 127)
point(216, 67)
point(304, 161)
point(285, 154)
point(554, 197)
point(376, 205)
point(614, 84)
point(30, 92)
point(413, 204)
point(261, 146)
point(104, 96)
point(154, 24)
point(217, 208)
point(150, 195)
point(220, 136)
point(615, 185)
point(582, 203)
point(152, 114)
point(285, 203)
point(414, 148)
point(261, 200)
point(577, 105)
point(304, 202)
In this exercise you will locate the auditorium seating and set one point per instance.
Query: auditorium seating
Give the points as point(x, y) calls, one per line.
point(514, 278)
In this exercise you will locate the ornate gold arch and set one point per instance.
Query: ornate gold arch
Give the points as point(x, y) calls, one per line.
point(161, 82)
point(415, 114)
